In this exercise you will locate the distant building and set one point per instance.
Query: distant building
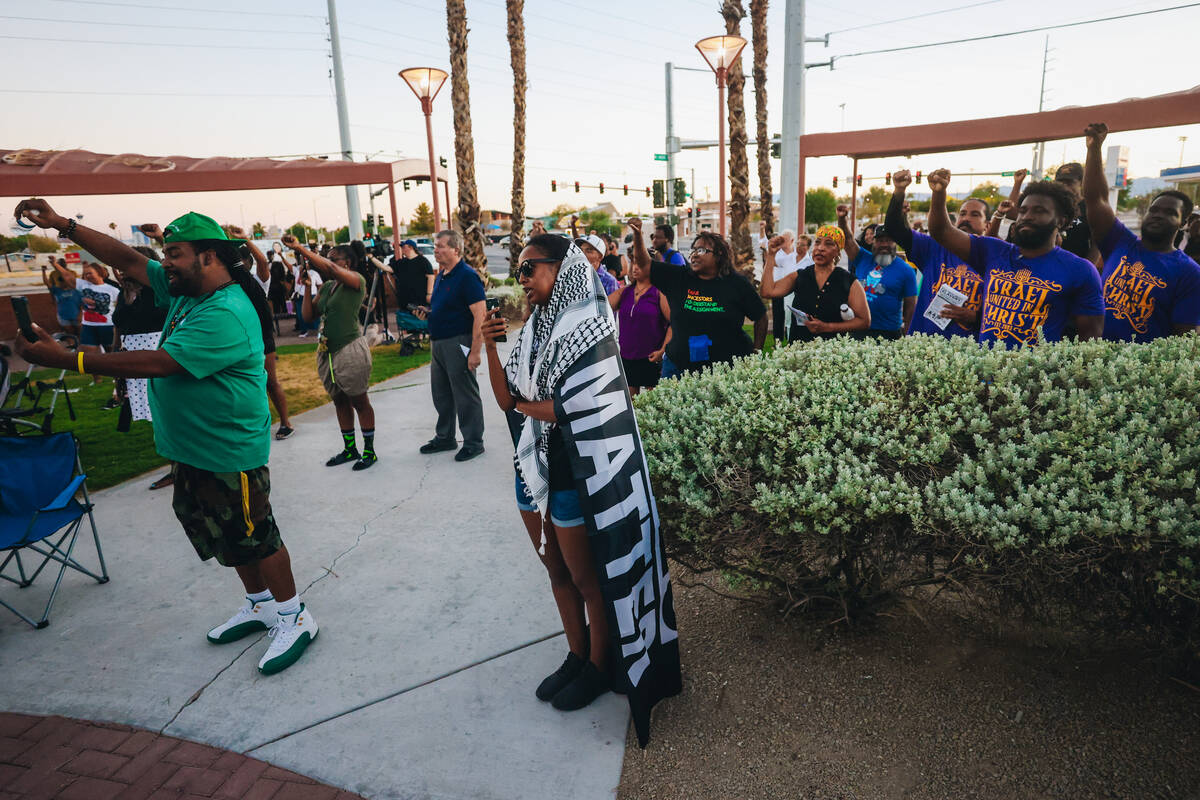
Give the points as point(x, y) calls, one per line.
point(1185, 179)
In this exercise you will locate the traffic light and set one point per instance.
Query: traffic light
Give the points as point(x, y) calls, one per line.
point(379, 220)
point(442, 161)
point(576, 187)
point(626, 188)
point(554, 186)
point(858, 180)
point(918, 176)
point(680, 191)
point(835, 181)
point(888, 179)
point(601, 187)
point(647, 191)
point(660, 196)
point(406, 186)
point(777, 147)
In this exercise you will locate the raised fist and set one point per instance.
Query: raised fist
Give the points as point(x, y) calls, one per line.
point(901, 180)
point(1095, 134)
point(938, 180)
point(843, 212)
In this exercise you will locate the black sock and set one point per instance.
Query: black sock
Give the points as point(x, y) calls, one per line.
point(368, 441)
point(348, 440)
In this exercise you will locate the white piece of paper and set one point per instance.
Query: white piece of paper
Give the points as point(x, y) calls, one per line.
point(466, 350)
point(946, 295)
point(800, 316)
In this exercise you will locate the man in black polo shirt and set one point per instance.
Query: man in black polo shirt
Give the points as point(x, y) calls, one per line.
point(455, 314)
point(412, 277)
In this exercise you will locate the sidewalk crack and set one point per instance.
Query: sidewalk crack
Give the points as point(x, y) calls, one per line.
point(196, 695)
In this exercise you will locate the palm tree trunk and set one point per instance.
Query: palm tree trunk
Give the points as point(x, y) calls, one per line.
point(758, 27)
point(516, 46)
point(464, 143)
point(739, 166)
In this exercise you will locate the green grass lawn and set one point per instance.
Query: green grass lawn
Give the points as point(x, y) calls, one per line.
point(110, 457)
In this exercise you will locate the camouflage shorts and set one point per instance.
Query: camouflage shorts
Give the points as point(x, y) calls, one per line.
point(227, 515)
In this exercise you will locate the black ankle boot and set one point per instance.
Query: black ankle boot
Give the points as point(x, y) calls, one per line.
point(587, 686)
point(555, 682)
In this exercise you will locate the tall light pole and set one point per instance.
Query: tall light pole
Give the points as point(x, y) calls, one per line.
point(720, 52)
point(1182, 144)
point(352, 209)
point(425, 83)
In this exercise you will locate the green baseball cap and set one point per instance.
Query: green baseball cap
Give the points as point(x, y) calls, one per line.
point(193, 227)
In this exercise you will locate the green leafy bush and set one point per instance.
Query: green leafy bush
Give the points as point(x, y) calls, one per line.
point(1061, 477)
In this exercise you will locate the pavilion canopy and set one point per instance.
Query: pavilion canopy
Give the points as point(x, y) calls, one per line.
point(43, 173)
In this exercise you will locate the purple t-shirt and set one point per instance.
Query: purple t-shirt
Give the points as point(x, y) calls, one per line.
point(642, 326)
point(607, 280)
point(938, 266)
point(1146, 293)
point(1024, 294)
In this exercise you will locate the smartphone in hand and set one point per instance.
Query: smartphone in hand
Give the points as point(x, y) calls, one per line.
point(20, 305)
point(492, 304)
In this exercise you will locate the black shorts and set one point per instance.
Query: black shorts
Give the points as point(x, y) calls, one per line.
point(268, 341)
point(641, 372)
point(227, 515)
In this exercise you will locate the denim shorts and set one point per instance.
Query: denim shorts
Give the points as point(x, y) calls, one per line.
point(96, 336)
point(565, 511)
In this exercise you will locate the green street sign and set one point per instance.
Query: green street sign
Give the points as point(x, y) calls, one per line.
point(660, 156)
point(1007, 174)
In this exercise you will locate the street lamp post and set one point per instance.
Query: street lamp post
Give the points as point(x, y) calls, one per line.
point(425, 83)
point(719, 52)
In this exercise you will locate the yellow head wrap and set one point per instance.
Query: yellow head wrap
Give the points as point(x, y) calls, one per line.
point(832, 232)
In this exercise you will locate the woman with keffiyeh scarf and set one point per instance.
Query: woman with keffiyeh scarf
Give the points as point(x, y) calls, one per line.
point(570, 315)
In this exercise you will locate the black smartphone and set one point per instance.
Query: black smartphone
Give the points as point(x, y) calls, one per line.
point(491, 304)
point(20, 305)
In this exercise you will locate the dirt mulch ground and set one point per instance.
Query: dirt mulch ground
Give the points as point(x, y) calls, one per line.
point(912, 708)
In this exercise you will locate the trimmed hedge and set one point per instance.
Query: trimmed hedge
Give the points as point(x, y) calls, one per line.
point(1061, 477)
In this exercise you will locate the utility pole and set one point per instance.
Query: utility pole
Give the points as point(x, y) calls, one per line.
point(339, 84)
point(670, 148)
point(1039, 157)
point(793, 115)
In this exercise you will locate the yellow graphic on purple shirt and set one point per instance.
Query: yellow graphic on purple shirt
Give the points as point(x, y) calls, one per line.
point(1128, 294)
point(1016, 305)
point(962, 278)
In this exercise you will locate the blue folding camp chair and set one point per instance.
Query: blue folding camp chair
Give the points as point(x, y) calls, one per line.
point(39, 514)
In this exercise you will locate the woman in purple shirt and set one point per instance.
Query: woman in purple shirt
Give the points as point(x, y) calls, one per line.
point(643, 322)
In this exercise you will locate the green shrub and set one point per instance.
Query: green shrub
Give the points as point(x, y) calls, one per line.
point(1060, 476)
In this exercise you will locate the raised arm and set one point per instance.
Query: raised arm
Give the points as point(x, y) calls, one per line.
point(326, 268)
point(640, 255)
point(776, 288)
point(1002, 211)
point(852, 248)
point(1100, 214)
point(1014, 197)
point(896, 221)
point(107, 249)
point(261, 265)
point(940, 227)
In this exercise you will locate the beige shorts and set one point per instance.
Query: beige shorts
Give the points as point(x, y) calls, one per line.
point(346, 372)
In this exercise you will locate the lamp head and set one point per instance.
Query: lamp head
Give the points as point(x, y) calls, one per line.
point(425, 82)
point(721, 51)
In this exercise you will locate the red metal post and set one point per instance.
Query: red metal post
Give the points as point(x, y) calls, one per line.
point(395, 219)
point(854, 197)
point(721, 113)
point(427, 107)
point(800, 228)
point(449, 212)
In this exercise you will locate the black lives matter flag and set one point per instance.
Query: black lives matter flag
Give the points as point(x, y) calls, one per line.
point(602, 441)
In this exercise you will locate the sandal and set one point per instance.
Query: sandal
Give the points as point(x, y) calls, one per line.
point(283, 432)
point(165, 480)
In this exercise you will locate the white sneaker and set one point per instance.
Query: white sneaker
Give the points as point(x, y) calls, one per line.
point(250, 618)
point(290, 637)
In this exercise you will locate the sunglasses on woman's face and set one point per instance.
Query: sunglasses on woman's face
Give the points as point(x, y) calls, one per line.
point(525, 270)
point(700, 251)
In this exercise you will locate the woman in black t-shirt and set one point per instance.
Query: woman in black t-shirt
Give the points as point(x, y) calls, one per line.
point(709, 302)
point(821, 291)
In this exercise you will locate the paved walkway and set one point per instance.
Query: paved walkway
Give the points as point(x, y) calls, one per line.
point(56, 757)
point(436, 624)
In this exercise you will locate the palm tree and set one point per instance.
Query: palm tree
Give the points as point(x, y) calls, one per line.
point(516, 46)
point(739, 166)
point(464, 145)
point(758, 27)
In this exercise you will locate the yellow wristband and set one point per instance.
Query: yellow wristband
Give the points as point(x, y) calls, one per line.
point(81, 372)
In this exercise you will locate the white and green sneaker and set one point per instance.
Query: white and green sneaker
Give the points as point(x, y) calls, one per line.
point(289, 638)
point(250, 618)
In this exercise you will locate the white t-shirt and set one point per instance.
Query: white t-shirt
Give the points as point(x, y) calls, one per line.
point(313, 275)
point(99, 301)
point(785, 264)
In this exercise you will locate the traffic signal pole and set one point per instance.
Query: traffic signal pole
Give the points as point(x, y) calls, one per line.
point(669, 149)
point(343, 114)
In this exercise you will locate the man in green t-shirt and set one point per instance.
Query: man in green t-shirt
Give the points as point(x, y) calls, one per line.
point(208, 399)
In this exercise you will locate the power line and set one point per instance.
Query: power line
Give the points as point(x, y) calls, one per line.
point(177, 8)
point(1015, 33)
point(150, 94)
point(156, 25)
point(914, 16)
point(204, 46)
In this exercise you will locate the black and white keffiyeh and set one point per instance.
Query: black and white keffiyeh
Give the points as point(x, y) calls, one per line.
point(553, 338)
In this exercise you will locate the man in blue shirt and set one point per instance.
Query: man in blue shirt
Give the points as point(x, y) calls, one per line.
point(1032, 285)
point(456, 309)
point(890, 283)
point(938, 265)
point(1151, 289)
point(662, 240)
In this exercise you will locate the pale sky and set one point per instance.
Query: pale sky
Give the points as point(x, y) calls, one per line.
point(214, 77)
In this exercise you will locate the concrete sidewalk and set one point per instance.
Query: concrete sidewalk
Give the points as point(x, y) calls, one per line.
point(436, 623)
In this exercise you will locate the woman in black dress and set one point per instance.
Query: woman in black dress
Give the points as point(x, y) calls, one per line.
point(821, 291)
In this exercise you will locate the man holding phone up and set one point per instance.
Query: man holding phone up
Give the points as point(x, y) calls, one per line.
point(208, 399)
